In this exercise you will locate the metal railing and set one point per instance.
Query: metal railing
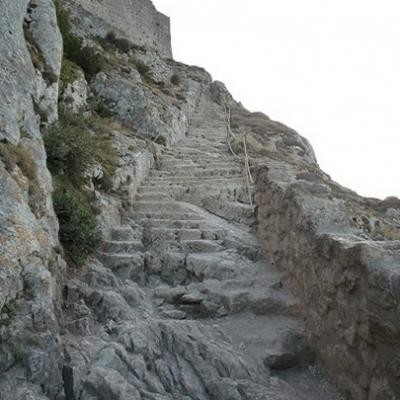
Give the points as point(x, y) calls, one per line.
point(245, 158)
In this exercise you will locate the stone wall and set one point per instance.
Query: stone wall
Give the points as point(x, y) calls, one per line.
point(349, 287)
point(138, 20)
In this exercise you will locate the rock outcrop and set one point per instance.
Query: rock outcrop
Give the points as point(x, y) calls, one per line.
point(30, 263)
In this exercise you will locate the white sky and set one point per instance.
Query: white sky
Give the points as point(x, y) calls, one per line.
point(328, 68)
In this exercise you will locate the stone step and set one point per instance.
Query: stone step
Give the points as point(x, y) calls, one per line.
point(196, 171)
point(195, 246)
point(122, 247)
point(179, 187)
point(197, 148)
point(196, 180)
point(187, 192)
point(178, 165)
point(125, 266)
point(153, 196)
point(173, 216)
point(176, 234)
point(156, 206)
point(124, 233)
point(209, 157)
point(179, 234)
point(174, 223)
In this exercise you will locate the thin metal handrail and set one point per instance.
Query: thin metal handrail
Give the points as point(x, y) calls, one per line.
point(249, 178)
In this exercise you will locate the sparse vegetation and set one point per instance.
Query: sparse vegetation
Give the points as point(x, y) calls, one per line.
point(79, 233)
point(88, 58)
point(13, 156)
point(121, 44)
point(9, 312)
point(20, 156)
point(72, 148)
point(70, 71)
point(176, 79)
point(180, 97)
point(142, 68)
point(75, 145)
point(388, 232)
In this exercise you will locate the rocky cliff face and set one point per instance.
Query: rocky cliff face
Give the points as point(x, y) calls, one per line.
point(31, 265)
point(178, 302)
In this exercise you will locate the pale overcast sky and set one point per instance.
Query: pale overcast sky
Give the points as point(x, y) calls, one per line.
point(329, 69)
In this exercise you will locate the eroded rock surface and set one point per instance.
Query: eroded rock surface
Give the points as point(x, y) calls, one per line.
point(31, 266)
point(182, 305)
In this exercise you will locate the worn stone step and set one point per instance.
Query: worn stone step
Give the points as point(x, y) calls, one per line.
point(174, 223)
point(195, 246)
point(122, 247)
point(177, 216)
point(124, 233)
point(179, 234)
point(196, 171)
point(153, 196)
point(125, 266)
point(176, 233)
point(178, 165)
point(157, 206)
point(179, 187)
point(187, 157)
point(190, 180)
point(197, 148)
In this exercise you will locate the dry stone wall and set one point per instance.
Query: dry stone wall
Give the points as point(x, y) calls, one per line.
point(348, 286)
point(137, 19)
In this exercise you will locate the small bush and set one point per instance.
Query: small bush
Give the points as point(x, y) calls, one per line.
point(180, 97)
point(142, 68)
point(20, 156)
point(102, 110)
point(388, 232)
point(72, 149)
point(88, 58)
point(79, 233)
point(70, 72)
point(237, 144)
point(176, 79)
point(9, 311)
point(121, 44)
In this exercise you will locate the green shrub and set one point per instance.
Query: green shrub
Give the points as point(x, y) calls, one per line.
point(121, 44)
point(175, 79)
point(79, 233)
point(72, 148)
point(21, 156)
point(88, 58)
point(13, 155)
point(70, 71)
point(9, 311)
point(102, 110)
point(142, 68)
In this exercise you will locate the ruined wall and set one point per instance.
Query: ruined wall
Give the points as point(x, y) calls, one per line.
point(138, 20)
point(349, 287)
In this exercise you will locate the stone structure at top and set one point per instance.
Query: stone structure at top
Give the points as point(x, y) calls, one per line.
point(138, 20)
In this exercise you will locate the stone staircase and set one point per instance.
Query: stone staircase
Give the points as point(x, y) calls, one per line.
point(187, 243)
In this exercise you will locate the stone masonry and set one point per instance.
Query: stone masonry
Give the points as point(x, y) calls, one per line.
point(137, 19)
